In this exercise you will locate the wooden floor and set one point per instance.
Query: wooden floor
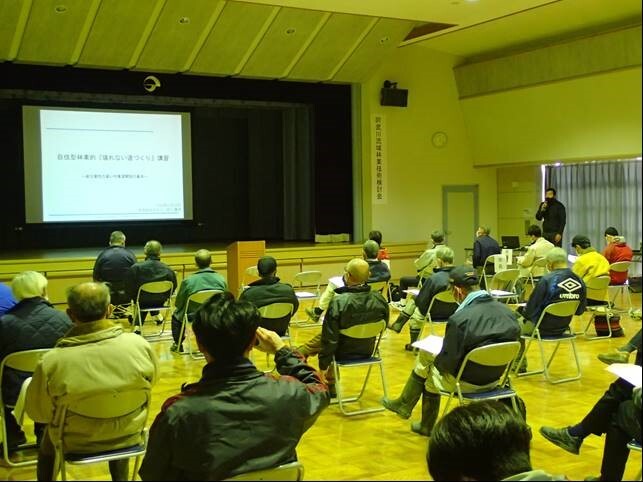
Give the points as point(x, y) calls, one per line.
point(380, 446)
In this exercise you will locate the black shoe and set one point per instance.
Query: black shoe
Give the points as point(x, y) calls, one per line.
point(15, 441)
point(176, 348)
point(562, 438)
point(332, 391)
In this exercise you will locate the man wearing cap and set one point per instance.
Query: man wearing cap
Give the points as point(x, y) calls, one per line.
point(590, 263)
point(616, 250)
point(478, 321)
point(205, 278)
point(268, 290)
point(559, 284)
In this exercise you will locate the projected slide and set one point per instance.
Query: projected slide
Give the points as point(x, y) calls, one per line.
point(109, 165)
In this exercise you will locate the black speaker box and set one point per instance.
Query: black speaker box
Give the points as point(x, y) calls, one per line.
point(394, 97)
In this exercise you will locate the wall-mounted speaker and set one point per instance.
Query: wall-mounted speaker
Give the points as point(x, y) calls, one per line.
point(393, 96)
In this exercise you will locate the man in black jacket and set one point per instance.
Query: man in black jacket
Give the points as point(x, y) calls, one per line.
point(483, 247)
point(554, 217)
point(31, 324)
point(152, 269)
point(235, 419)
point(478, 321)
point(268, 290)
point(112, 265)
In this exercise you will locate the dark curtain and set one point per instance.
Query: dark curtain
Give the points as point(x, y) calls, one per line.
point(597, 195)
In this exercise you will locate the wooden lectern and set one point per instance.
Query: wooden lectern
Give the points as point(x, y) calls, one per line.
point(242, 255)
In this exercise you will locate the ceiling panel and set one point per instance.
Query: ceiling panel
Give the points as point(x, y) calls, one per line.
point(117, 30)
point(330, 46)
point(282, 42)
point(176, 33)
point(10, 13)
point(381, 40)
point(231, 37)
point(53, 30)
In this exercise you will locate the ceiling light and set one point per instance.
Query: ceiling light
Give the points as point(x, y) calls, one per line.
point(290, 31)
point(60, 8)
point(384, 40)
point(184, 20)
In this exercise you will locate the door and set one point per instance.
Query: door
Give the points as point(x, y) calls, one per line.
point(460, 215)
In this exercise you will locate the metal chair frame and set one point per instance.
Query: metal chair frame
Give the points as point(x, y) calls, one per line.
point(600, 283)
point(276, 311)
point(153, 287)
point(301, 280)
point(623, 289)
point(374, 329)
point(561, 309)
point(291, 471)
point(445, 296)
point(199, 297)
point(507, 277)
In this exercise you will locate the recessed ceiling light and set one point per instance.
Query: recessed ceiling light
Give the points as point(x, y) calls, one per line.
point(60, 8)
point(290, 31)
point(384, 40)
point(184, 20)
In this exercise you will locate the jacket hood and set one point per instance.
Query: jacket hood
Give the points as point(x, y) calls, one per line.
point(91, 332)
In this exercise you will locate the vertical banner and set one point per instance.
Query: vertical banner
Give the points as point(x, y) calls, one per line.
point(379, 159)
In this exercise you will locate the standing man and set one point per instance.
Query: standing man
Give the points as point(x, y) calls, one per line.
point(554, 217)
point(203, 279)
point(111, 267)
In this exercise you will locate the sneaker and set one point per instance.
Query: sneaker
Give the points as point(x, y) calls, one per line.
point(561, 437)
point(176, 348)
point(614, 357)
point(313, 315)
point(137, 332)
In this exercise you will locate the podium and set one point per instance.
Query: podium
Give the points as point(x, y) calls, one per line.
point(242, 255)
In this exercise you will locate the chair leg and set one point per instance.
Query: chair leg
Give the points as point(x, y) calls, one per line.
point(137, 464)
point(608, 315)
point(524, 357)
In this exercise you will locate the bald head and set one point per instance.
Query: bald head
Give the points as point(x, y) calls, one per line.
point(88, 302)
point(357, 270)
point(203, 258)
point(152, 249)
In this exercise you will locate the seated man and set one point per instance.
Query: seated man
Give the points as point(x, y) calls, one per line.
point(538, 248)
point(615, 251)
point(382, 254)
point(478, 321)
point(235, 419)
point(483, 247)
point(589, 264)
point(111, 267)
point(353, 304)
point(622, 354)
point(152, 269)
point(424, 266)
point(205, 278)
point(95, 356)
point(417, 310)
point(616, 414)
point(560, 284)
point(268, 290)
point(31, 324)
point(6, 299)
point(377, 271)
point(482, 441)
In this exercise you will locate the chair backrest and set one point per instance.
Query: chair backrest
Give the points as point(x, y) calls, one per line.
point(597, 288)
point(365, 330)
point(276, 310)
point(291, 471)
point(199, 298)
point(493, 355)
point(109, 404)
point(252, 271)
point(620, 266)
point(505, 280)
point(561, 309)
point(380, 286)
point(25, 361)
point(445, 296)
point(155, 287)
point(308, 278)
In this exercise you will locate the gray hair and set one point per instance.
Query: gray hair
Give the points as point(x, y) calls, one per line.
point(88, 301)
point(117, 238)
point(371, 249)
point(152, 248)
point(28, 284)
point(485, 229)
point(556, 256)
point(444, 253)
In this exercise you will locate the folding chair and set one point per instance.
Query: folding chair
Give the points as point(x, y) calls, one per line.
point(25, 361)
point(498, 355)
point(197, 298)
point(276, 317)
point(307, 279)
point(491, 259)
point(445, 297)
point(505, 279)
point(538, 263)
point(381, 287)
point(153, 287)
point(363, 331)
point(635, 446)
point(562, 309)
point(291, 471)
point(622, 289)
point(119, 299)
point(107, 405)
point(597, 291)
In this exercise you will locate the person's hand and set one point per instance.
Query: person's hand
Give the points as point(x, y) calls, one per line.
point(543, 205)
point(557, 237)
point(268, 341)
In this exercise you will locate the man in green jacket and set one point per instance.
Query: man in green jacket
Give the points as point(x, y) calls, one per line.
point(204, 279)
